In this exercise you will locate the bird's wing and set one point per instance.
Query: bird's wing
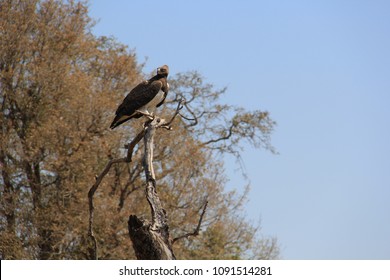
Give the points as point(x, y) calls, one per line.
point(141, 95)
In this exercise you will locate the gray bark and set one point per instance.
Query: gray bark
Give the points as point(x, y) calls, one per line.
point(151, 240)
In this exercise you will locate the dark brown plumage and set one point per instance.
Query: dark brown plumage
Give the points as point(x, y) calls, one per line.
point(144, 98)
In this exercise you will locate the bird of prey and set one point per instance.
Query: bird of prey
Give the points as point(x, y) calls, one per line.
point(144, 98)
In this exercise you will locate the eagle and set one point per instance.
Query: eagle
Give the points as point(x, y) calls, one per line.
point(144, 98)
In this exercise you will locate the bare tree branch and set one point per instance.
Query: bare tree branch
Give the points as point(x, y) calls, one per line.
point(197, 229)
point(226, 137)
point(130, 147)
point(167, 125)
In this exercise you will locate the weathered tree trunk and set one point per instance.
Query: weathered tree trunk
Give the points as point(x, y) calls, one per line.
point(151, 241)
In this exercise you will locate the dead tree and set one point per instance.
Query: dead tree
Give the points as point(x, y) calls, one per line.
point(151, 240)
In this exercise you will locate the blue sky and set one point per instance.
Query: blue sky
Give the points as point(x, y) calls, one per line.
point(322, 69)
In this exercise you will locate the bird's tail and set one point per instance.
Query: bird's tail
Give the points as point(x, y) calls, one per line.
point(118, 120)
point(113, 124)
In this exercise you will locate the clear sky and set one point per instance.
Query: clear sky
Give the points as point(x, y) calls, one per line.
point(322, 69)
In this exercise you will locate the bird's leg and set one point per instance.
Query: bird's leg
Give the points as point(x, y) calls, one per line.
point(146, 114)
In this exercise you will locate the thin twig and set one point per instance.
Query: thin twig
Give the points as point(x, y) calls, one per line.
point(197, 229)
point(167, 125)
point(226, 137)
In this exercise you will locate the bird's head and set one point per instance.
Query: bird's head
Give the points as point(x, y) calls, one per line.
point(163, 70)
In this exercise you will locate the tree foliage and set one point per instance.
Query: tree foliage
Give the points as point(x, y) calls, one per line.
point(59, 87)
